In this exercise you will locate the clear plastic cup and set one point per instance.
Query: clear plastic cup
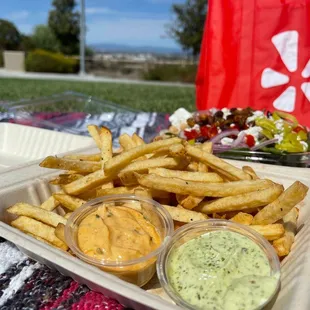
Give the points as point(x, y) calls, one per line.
point(196, 229)
point(137, 271)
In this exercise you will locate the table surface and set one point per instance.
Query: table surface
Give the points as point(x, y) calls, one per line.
point(26, 284)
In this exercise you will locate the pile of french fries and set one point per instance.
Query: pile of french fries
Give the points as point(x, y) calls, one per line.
point(188, 180)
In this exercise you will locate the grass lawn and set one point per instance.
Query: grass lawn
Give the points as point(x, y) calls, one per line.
point(142, 97)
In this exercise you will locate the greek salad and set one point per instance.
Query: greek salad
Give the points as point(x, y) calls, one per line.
point(236, 128)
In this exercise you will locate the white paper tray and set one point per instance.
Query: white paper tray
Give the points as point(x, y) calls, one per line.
point(295, 283)
point(20, 144)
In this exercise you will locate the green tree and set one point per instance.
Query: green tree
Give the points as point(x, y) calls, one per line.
point(44, 38)
point(27, 43)
point(64, 22)
point(10, 38)
point(187, 28)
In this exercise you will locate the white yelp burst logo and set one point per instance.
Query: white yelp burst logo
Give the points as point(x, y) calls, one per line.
point(286, 44)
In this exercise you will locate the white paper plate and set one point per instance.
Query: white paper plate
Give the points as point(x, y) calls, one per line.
point(20, 144)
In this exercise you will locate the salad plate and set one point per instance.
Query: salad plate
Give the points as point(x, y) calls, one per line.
point(245, 134)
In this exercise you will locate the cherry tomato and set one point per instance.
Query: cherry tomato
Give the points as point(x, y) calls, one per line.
point(204, 131)
point(213, 132)
point(190, 135)
point(249, 140)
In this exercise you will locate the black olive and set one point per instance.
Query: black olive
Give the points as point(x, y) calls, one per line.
point(191, 122)
point(219, 114)
point(269, 114)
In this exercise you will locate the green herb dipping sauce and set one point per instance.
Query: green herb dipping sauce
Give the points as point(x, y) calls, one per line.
point(221, 270)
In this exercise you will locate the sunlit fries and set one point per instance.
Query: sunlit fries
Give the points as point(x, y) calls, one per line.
point(189, 202)
point(270, 231)
point(60, 232)
point(242, 218)
point(94, 131)
point(120, 161)
point(50, 204)
point(39, 229)
point(88, 182)
point(70, 164)
point(69, 202)
point(252, 199)
point(250, 171)
point(182, 187)
point(127, 175)
point(81, 157)
point(281, 206)
point(217, 164)
point(47, 217)
point(208, 177)
point(63, 179)
point(283, 245)
point(126, 142)
point(184, 215)
point(188, 180)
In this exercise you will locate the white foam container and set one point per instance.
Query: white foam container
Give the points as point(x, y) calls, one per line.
point(295, 284)
point(21, 144)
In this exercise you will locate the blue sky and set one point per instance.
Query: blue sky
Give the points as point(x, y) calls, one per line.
point(133, 22)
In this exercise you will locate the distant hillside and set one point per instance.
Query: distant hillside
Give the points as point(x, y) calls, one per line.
point(122, 48)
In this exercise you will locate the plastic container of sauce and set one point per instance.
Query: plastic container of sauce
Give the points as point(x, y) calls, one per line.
point(219, 265)
point(120, 234)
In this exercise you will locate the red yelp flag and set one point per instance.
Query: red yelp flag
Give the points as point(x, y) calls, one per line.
point(256, 53)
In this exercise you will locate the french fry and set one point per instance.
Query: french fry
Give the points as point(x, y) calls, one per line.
point(60, 232)
point(244, 201)
point(242, 218)
point(68, 201)
point(63, 179)
point(89, 194)
point(95, 134)
point(106, 144)
point(126, 142)
point(47, 217)
point(202, 167)
point(137, 140)
point(189, 202)
point(217, 164)
point(88, 182)
point(122, 160)
point(176, 150)
point(270, 231)
point(51, 203)
point(106, 148)
point(278, 208)
point(90, 157)
point(39, 229)
point(182, 187)
point(284, 244)
point(67, 215)
point(184, 215)
point(187, 175)
point(114, 191)
point(70, 164)
point(249, 170)
point(127, 175)
point(207, 147)
point(193, 167)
